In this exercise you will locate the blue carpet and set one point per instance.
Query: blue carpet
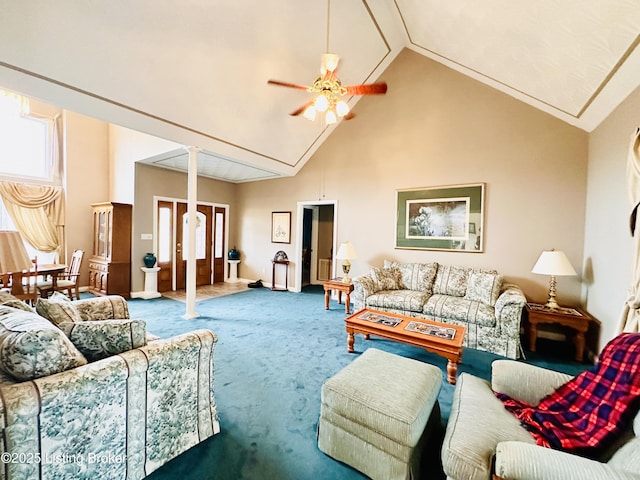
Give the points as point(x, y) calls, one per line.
point(274, 351)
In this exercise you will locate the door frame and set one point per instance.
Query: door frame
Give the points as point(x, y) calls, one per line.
point(175, 200)
point(299, 230)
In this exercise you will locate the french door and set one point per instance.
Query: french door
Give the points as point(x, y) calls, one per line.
point(172, 238)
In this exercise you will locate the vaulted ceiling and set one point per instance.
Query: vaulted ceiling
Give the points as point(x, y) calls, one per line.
point(195, 71)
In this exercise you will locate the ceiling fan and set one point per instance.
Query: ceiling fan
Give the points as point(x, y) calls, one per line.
point(329, 89)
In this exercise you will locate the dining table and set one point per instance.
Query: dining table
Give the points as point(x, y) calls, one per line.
point(50, 269)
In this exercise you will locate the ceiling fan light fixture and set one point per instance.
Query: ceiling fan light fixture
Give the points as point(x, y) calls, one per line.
point(330, 118)
point(342, 108)
point(321, 103)
point(329, 62)
point(310, 113)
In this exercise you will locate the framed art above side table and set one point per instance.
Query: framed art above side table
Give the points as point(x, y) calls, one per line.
point(280, 227)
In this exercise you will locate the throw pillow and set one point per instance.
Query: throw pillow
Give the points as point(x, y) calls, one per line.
point(58, 309)
point(32, 347)
point(416, 276)
point(387, 278)
point(103, 338)
point(451, 280)
point(9, 300)
point(484, 287)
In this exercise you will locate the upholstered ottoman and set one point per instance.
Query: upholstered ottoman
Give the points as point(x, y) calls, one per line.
point(374, 414)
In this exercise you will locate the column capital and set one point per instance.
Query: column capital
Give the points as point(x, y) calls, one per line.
point(192, 149)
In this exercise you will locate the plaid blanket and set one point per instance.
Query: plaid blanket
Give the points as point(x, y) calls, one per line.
point(587, 412)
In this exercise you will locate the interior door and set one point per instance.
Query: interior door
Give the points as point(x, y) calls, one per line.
point(165, 238)
point(204, 230)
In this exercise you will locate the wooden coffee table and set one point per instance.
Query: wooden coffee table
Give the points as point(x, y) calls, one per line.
point(440, 338)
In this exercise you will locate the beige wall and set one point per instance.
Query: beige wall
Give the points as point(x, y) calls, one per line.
point(437, 127)
point(608, 245)
point(87, 164)
point(153, 181)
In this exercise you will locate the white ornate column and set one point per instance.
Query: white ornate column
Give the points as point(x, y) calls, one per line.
point(233, 271)
point(192, 196)
point(150, 283)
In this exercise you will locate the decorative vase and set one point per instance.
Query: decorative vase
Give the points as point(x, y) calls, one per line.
point(149, 260)
point(234, 254)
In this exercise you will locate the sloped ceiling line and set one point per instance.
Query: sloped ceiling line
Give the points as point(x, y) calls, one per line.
point(134, 110)
point(611, 74)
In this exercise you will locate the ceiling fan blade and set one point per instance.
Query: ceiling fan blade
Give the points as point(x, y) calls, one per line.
point(287, 84)
point(301, 109)
point(367, 89)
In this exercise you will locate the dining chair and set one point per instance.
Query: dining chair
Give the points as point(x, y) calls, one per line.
point(22, 285)
point(66, 281)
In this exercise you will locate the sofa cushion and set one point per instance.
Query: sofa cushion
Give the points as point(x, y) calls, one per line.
point(456, 308)
point(103, 338)
point(451, 280)
point(484, 287)
point(387, 278)
point(32, 347)
point(405, 300)
point(9, 300)
point(58, 309)
point(416, 276)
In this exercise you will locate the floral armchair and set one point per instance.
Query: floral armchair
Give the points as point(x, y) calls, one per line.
point(120, 416)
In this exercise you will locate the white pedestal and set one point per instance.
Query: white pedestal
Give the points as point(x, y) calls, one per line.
point(233, 271)
point(150, 283)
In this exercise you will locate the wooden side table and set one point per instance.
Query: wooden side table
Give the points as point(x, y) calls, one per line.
point(340, 286)
point(286, 275)
point(574, 318)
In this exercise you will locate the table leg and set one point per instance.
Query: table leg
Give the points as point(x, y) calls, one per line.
point(347, 304)
point(350, 341)
point(579, 346)
point(452, 371)
point(533, 336)
point(327, 294)
point(339, 296)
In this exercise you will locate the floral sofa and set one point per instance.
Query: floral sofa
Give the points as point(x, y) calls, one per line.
point(85, 392)
point(480, 300)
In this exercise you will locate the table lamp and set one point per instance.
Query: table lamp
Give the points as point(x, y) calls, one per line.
point(346, 252)
point(13, 256)
point(555, 263)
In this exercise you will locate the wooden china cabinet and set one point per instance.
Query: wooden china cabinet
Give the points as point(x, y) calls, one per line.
point(110, 261)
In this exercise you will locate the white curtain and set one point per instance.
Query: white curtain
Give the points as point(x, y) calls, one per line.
point(630, 319)
point(37, 212)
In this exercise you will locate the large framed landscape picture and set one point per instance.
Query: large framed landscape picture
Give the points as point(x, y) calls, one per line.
point(441, 218)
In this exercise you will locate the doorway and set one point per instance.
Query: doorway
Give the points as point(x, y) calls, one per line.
point(172, 245)
point(317, 234)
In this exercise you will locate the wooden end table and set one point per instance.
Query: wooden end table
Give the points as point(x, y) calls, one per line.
point(574, 318)
point(341, 287)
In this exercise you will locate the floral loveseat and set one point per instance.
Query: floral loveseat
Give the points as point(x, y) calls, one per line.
point(480, 300)
point(98, 401)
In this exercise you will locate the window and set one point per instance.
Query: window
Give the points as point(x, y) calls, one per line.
point(26, 153)
point(26, 145)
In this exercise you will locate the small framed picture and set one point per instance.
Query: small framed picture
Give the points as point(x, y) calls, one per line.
point(280, 227)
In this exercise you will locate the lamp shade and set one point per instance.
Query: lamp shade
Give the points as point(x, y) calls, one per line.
point(13, 255)
point(346, 251)
point(553, 262)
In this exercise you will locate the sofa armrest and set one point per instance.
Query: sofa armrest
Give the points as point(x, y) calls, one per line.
point(525, 382)
point(363, 286)
point(102, 308)
point(508, 309)
point(522, 461)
